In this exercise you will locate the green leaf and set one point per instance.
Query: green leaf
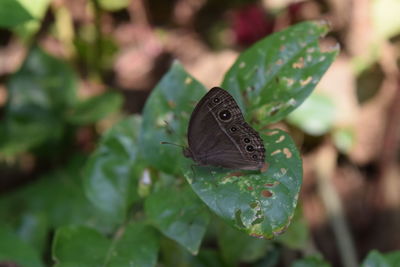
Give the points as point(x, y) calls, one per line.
point(112, 172)
point(83, 246)
point(59, 198)
point(238, 247)
point(311, 261)
point(260, 204)
point(138, 246)
point(94, 108)
point(180, 215)
point(377, 259)
point(33, 228)
point(114, 5)
point(37, 9)
point(13, 249)
point(279, 72)
point(165, 118)
point(12, 13)
point(297, 236)
point(38, 95)
point(175, 255)
point(79, 246)
point(316, 116)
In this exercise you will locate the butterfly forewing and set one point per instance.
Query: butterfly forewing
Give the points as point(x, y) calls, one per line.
point(219, 136)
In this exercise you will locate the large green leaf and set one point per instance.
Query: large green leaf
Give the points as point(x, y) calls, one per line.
point(237, 247)
point(52, 201)
point(13, 249)
point(377, 259)
point(94, 108)
point(311, 261)
point(12, 13)
point(180, 215)
point(260, 204)
point(39, 93)
point(112, 172)
point(165, 118)
point(137, 245)
point(278, 73)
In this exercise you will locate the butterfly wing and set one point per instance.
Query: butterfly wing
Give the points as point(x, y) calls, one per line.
point(219, 136)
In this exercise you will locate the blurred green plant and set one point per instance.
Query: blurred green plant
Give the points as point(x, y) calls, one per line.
point(136, 202)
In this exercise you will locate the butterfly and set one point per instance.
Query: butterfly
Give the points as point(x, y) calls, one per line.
point(219, 136)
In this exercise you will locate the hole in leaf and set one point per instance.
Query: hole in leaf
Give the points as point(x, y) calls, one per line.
point(311, 50)
point(238, 219)
point(289, 81)
point(266, 193)
point(280, 139)
point(188, 80)
point(283, 171)
point(299, 64)
point(306, 81)
point(253, 205)
point(287, 152)
point(242, 65)
point(272, 133)
point(276, 152)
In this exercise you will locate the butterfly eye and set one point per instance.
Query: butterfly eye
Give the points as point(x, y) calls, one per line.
point(254, 156)
point(216, 100)
point(233, 129)
point(246, 140)
point(249, 148)
point(225, 115)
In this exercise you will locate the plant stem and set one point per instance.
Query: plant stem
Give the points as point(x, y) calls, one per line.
point(325, 167)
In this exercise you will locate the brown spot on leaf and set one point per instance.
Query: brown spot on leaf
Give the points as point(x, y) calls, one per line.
point(266, 193)
point(264, 168)
point(279, 62)
point(257, 235)
point(171, 104)
point(250, 188)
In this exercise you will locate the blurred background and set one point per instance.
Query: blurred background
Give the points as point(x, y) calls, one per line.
point(347, 131)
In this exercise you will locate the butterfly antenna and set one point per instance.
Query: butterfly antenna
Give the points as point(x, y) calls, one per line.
point(169, 129)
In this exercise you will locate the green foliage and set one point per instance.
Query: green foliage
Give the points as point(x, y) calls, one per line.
point(12, 14)
point(42, 101)
point(137, 245)
point(377, 259)
point(135, 196)
point(178, 214)
point(13, 249)
point(278, 73)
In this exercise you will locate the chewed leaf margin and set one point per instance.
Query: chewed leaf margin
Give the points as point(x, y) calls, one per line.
point(261, 204)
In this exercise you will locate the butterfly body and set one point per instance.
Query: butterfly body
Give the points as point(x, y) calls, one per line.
point(218, 134)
